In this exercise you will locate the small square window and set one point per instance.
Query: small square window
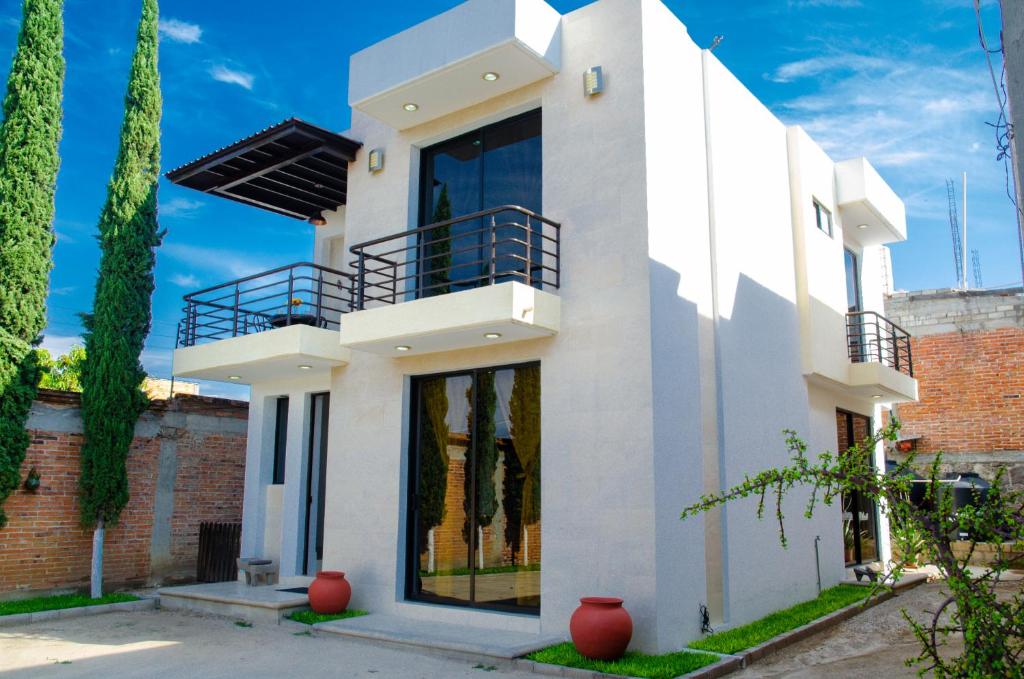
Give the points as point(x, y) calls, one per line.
point(823, 218)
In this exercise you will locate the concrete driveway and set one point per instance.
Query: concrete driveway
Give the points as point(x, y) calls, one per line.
point(179, 644)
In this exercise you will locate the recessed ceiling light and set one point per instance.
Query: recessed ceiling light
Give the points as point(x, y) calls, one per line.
point(490, 76)
point(402, 347)
point(876, 396)
point(234, 377)
point(492, 335)
point(862, 226)
point(305, 367)
point(410, 107)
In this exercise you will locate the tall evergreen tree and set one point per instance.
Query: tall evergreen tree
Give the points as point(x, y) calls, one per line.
point(29, 136)
point(117, 327)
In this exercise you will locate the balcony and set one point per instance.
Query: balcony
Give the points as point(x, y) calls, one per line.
point(276, 324)
point(881, 363)
point(476, 280)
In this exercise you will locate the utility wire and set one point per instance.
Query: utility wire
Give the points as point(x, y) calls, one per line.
point(1003, 130)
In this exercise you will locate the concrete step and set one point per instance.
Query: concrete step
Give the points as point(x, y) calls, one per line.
point(427, 634)
point(235, 600)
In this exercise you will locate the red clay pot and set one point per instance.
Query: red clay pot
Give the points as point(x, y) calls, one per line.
point(601, 628)
point(329, 592)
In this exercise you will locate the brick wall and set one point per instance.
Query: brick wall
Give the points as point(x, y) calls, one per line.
point(188, 457)
point(968, 351)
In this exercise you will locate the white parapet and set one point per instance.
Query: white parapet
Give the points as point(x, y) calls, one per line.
point(493, 314)
point(872, 212)
point(438, 65)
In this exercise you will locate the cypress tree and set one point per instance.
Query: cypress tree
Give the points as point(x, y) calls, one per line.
point(117, 327)
point(29, 136)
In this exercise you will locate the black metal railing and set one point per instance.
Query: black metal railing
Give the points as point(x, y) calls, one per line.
point(507, 243)
point(873, 338)
point(296, 294)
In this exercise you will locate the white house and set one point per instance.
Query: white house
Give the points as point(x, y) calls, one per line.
point(569, 274)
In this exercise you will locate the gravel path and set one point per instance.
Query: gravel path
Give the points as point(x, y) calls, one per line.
point(179, 644)
point(872, 645)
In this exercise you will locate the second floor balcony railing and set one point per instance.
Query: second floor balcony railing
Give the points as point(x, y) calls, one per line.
point(873, 338)
point(507, 243)
point(296, 294)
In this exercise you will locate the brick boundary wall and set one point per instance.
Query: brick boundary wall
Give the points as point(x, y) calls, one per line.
point(968, 353)
point(186, 466)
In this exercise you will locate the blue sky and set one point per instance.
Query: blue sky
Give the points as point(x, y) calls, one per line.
point(904, 83)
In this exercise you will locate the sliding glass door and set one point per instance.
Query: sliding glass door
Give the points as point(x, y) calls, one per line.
point(474, 523)
point(860, 515)
point(493, 166)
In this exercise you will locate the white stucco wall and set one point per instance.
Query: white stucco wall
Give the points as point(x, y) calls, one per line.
point(686, 259)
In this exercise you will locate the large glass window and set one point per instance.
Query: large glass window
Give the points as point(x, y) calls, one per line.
point(496, 165)
point(474, 524)
point(860, 516)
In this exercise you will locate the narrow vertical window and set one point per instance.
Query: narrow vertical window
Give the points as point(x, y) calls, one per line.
point(280, 438)
point(823, 218)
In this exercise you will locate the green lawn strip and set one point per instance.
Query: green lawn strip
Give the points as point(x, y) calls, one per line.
point(491, 570)
point(311, 618)
point(760, 631)
point(53, 603)
point(632, 664)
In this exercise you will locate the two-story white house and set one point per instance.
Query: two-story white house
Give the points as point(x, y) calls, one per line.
point(568, 274)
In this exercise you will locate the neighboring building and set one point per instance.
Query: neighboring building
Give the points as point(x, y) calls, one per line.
point(160, 388)
point(968, 351)
point(501, 409)
point(186, 466)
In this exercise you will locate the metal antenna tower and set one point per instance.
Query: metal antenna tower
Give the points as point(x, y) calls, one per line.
point(976, 265)
point(954, 228)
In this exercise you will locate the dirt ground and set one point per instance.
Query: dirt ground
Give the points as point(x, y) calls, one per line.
point(872, 645)
point(178, 644)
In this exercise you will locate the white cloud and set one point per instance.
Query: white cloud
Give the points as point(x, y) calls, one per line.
point(185, 280)
point(819, 65)
point(180, 31)
point(60, 344)
point(225, 263)
point(66, 290)
point(838, 4)
point(226, 75)
point(180, 207)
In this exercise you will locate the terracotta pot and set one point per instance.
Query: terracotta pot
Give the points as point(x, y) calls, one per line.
point(601, 628)
point(329, 592)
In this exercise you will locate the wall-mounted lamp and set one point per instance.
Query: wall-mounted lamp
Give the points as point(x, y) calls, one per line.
point(375, 161)
point(318, 220)
point(593, 81)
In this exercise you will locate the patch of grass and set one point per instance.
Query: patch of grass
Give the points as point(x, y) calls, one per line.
point(492, 570)
point(760, 631)
point(311, 618)
point(632, 664)
point(59, 602)
point(243, 623)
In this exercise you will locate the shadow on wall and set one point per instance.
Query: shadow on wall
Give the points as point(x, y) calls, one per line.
point(760, 391)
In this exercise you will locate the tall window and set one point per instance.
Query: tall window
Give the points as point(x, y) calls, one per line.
point(487, 168)
point(823, 218)
point(280, 438)
point(474, 523)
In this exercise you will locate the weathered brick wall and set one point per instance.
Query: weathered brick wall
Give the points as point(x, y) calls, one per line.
point(201, 440)
point(968, 351)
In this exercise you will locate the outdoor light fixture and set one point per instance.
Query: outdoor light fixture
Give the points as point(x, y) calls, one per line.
point(234, 377)
point(318, 220)
point(490, 76)
point(410, 107)
point(402, 347)
point(305, 367)
point(862, 226)
point(593, 81)
point(375, 160)
point(492, 335)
